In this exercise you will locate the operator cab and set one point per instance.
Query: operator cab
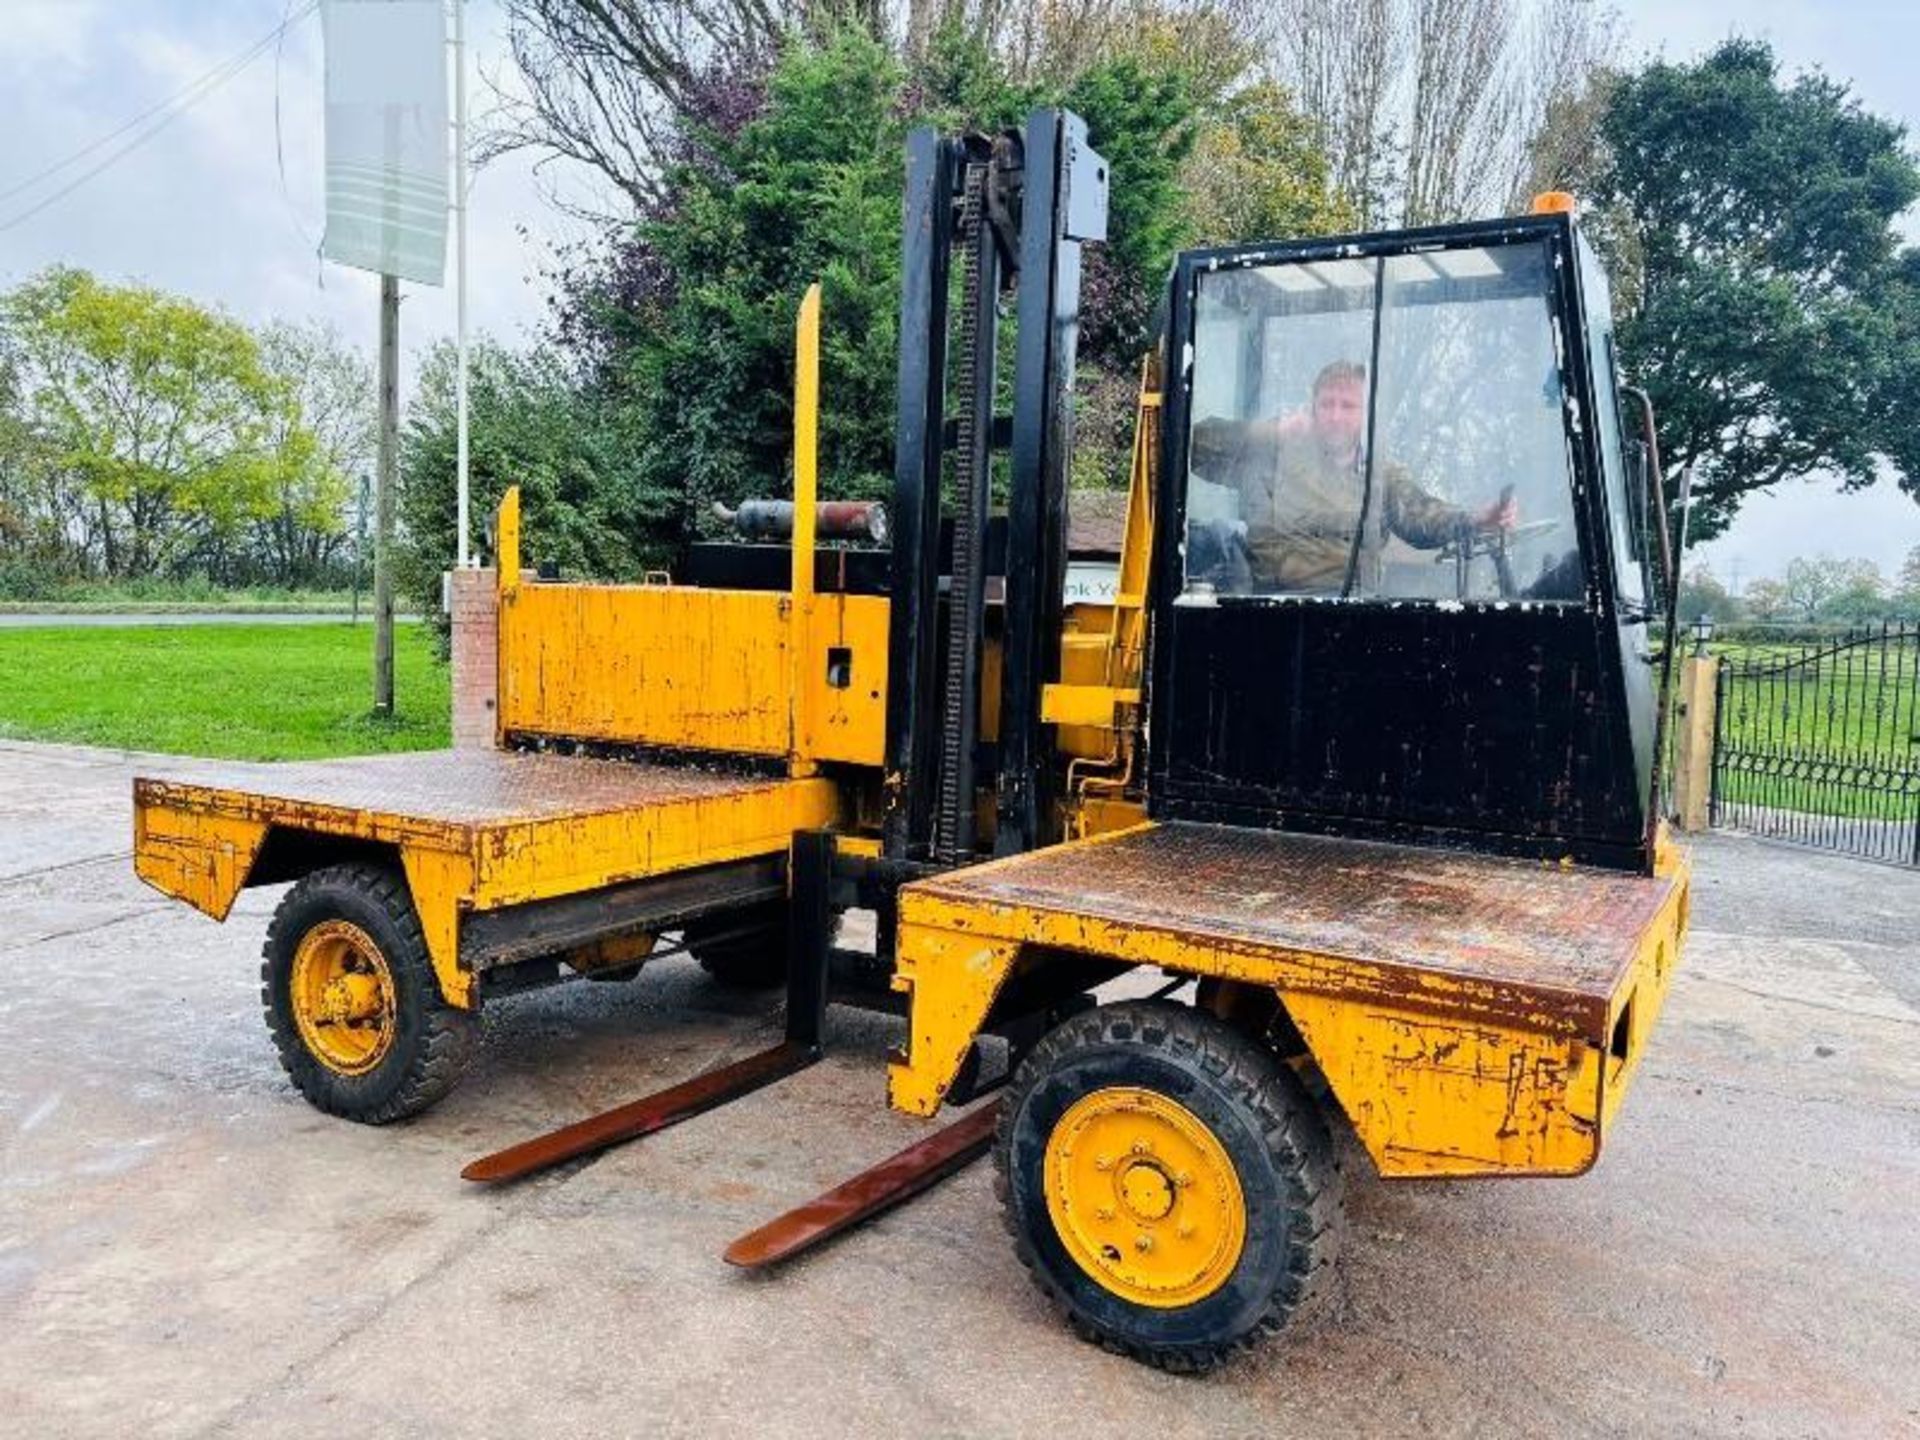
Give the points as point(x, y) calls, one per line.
point(1407, 586)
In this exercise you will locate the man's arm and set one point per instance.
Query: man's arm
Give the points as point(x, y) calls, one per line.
point(1418, 518)
point(1228, 451)
point(1428, 522)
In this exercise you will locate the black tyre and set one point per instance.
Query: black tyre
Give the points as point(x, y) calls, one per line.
point(1167, 1183)
point(743, 950)
point(352, 1002)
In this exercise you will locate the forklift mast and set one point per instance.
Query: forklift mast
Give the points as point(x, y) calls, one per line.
point(1015, 209)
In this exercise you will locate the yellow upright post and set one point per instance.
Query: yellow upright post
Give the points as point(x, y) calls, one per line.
point(1693, 765)
point(507, 540)
point(1127, 637)
point(806, 439)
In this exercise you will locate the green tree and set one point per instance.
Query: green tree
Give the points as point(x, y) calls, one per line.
point(1766, 600)
point(585, 505)
point(326, 439)
point(1862, 595)
point(1703, 594)
point(1823, 588)
point(1256, 174)
point(1900, 397)
point(1142, 117)
point(35, 510)
point(794, 175)
point(1859, 594)
point(1906, 587)
point(1764, 304)
point(156, 411)
point(808, 189)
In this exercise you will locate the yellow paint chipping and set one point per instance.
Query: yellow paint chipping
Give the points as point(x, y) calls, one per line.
point(198, 842)
point(1440, 1072)
point(689, 669)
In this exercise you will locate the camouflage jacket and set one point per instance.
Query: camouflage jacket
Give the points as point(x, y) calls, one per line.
point(1300, 509)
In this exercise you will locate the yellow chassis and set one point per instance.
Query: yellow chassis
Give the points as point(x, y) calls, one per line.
point(1440, 1074)
point(200, 842)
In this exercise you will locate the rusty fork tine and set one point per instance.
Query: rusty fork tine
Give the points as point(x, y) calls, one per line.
point(641, 1117)
point(897, 1178)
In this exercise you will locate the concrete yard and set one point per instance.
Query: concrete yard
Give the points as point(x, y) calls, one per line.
point(187, 1249)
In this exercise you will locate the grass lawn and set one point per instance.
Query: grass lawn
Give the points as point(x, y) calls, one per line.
point(242, 692)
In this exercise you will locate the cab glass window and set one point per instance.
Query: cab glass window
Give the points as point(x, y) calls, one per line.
point(1626, 509)
point(1380, 428)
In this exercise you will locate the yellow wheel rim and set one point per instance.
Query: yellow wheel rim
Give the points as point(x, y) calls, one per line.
point(342, 997)
point(1145, 1197)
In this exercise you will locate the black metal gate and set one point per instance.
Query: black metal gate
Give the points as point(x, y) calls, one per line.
point(1819, 742)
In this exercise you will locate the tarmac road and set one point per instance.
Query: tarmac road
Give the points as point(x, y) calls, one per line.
point(188, 1249)
point(123, 619)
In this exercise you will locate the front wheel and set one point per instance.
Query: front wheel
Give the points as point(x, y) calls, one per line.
point(351, 999)
point(1167, 1183)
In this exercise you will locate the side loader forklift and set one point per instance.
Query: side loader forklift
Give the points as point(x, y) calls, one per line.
point(1353, 773)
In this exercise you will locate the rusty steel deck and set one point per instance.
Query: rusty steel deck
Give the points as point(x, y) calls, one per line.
point(475, 830)
point(478, 789)
point(530, 825)
point(1530, 939)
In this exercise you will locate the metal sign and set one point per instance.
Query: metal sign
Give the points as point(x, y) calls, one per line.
point(387, 136)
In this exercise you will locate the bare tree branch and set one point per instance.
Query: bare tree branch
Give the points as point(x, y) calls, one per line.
point(602, 80)
point(1462, 107)
point(1429, 110)
point(1573, 47)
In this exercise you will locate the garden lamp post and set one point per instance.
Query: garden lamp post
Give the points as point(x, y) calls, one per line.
point(1702, 633)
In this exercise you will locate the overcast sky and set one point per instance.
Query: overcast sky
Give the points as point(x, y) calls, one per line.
point(201, 208)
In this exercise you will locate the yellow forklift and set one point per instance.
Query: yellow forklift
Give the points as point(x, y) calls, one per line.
point(1352, 771)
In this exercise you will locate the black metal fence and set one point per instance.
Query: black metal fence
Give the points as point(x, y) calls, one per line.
point(1819, 742)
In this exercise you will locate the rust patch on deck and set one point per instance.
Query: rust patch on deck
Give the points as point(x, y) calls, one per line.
point(1392, 919)
point(451, 787)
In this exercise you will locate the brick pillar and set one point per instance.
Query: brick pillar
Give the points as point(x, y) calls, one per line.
point(475, 610)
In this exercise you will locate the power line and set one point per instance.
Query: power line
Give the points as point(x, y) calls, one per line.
point(215, 76)
point(279, 141)
point(167, 110)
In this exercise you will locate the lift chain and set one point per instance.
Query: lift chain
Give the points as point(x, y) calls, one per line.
point(953, 817)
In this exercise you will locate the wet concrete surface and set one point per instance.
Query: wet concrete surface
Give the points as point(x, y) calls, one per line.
point(187, 1249)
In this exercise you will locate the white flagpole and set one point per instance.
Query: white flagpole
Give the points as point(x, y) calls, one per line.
point(460, 267)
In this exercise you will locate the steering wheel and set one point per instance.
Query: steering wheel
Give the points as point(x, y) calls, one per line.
point(1464, 548)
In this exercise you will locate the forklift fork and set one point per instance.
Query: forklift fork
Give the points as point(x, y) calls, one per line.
point(809, 939)
point(899, 1177)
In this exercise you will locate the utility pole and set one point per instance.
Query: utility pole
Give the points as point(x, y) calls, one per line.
point(386, 122)
point(383, 495)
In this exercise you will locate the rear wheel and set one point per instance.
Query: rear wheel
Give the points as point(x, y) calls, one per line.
point(1167, 1183)
point(352, 1002)
point(744, 950)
